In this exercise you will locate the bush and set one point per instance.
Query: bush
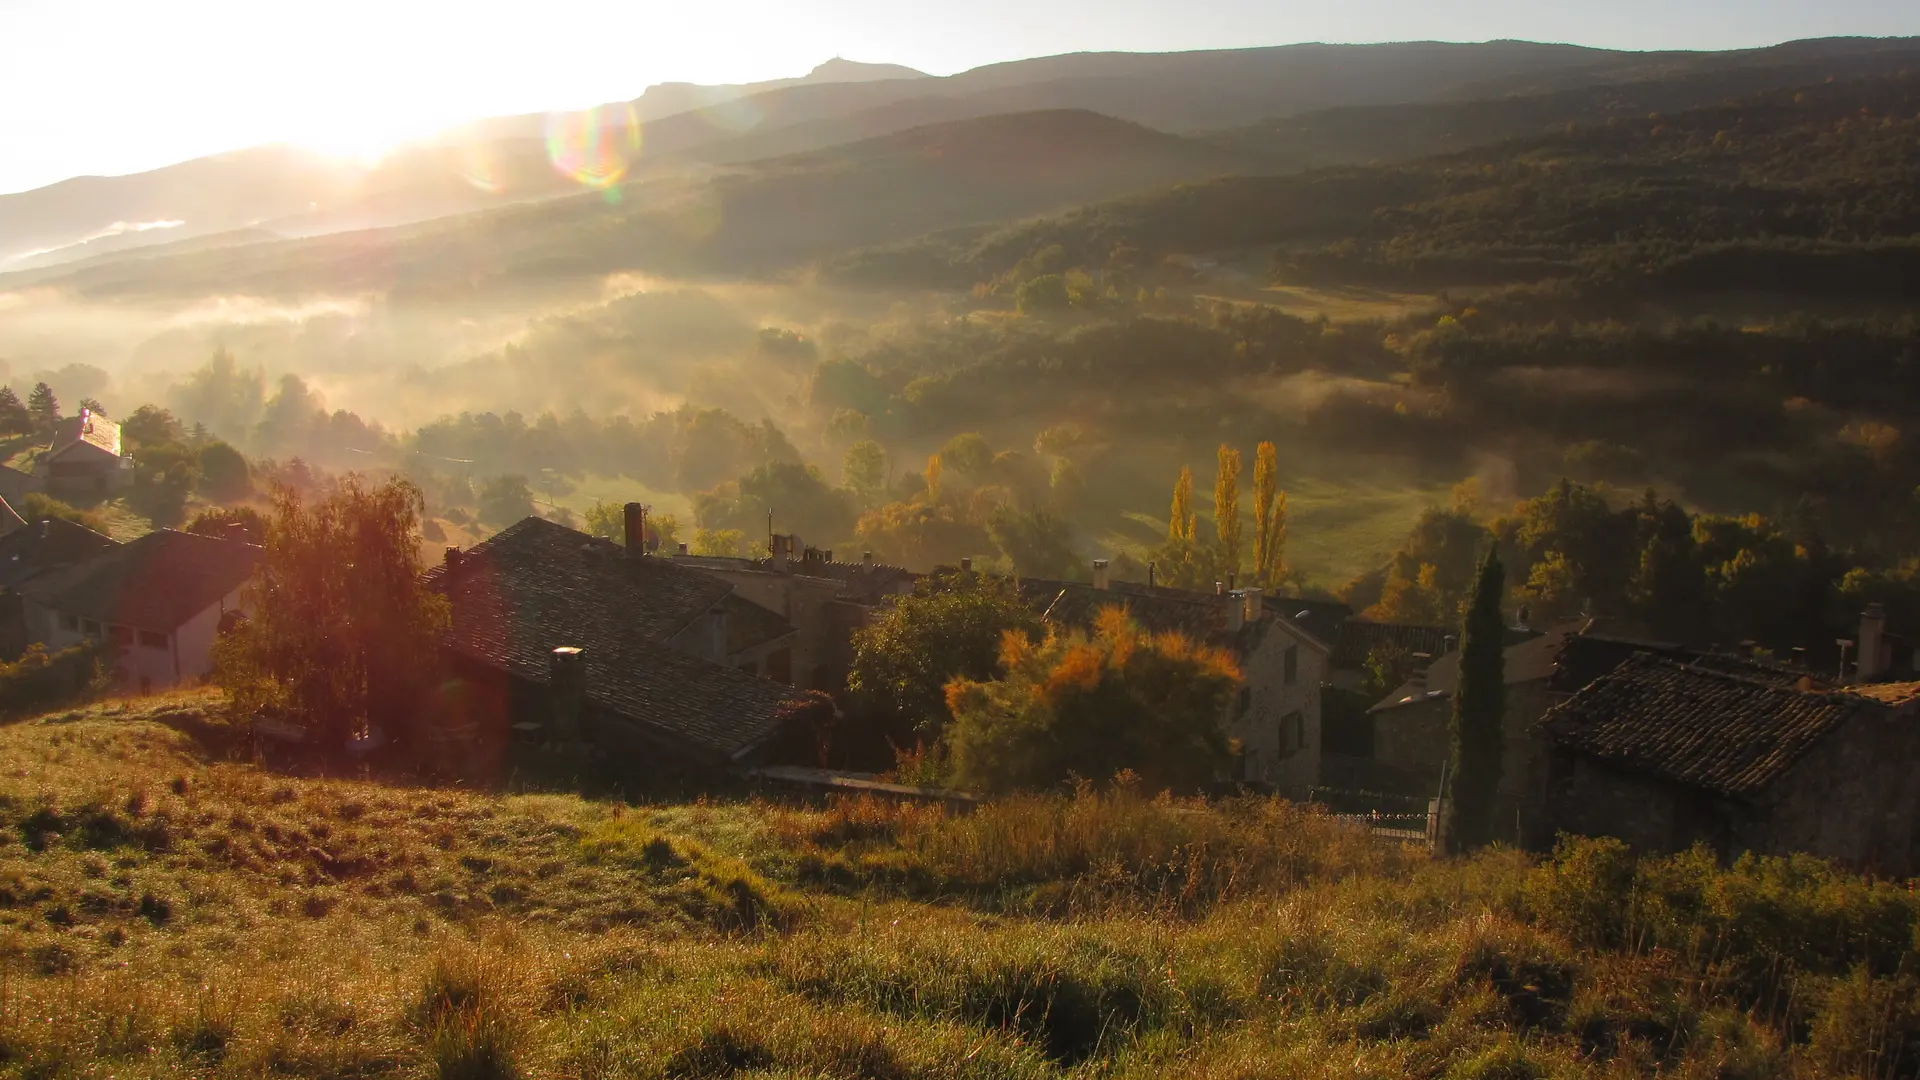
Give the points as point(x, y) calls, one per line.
point(40, 681)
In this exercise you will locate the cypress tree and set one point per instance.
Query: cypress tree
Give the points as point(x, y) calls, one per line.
point(1479, 704)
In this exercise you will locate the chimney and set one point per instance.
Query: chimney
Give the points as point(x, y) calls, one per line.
point(866, 559)
point(1256, 603)
point(567, 691)
point(1418, 675)
point(1219, 588)
point(1233, 580)
point(1873, 643)
point(1151, 567)
point(1236, 612)
point(682, 549)
point(453, 560)
point(636, 528)
point(1448, 644)
point(1100, 574)
point(966, 564)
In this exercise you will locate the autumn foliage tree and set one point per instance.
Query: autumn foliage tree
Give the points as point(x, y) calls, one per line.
point(1226, 509)
point(343, 633)
point(949, 627)
point(1269, 517)
point(1093, 705)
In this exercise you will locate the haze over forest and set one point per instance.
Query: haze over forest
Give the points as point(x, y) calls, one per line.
point(1439, 277)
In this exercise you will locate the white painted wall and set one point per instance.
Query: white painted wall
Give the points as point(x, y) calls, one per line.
point(186, 659)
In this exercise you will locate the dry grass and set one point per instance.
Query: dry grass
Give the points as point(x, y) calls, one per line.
point(165, 912)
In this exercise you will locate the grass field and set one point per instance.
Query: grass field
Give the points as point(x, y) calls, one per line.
point(165, 911)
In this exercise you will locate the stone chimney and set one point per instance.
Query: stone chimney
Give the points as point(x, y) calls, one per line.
point(635, 518)
point(1100, 574)
point(452, 559)
point(1256, 604)
point(1219, 588)
point(1236, 611)
point(567, 691)
point(1873, 643)
point(866, 559)
point(1417, 676)
point(682, 549)
point(966, 564)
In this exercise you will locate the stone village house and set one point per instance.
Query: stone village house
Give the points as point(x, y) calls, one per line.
point(1664, 754)
point(560, 637)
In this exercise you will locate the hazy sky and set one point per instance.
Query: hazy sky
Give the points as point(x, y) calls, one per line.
point(114, 86)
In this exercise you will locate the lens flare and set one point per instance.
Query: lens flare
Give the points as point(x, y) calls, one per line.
point(594, 147)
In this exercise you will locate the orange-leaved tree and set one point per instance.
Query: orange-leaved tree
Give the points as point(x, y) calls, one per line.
point(1091, 705)
point(342, 633)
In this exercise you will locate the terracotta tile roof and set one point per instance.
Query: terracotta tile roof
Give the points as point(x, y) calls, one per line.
point(1196, 615)
point(34, 549)
point(1357, 638)
point(157, 582)
point(1710, 729)
point(539, 586)
point(1893, 693)
point(1586, 656)
point(96, 431)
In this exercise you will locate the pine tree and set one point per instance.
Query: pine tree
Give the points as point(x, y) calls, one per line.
point(43, 407)
point(1226, 509)
point(1479, 705)
point(14, 418)
point(1269, 515)
point(1180, 520)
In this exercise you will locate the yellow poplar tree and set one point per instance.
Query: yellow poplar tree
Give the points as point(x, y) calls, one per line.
point(1180, 523)
point(1226, 508)
point(1269, 514)
point(933, 478)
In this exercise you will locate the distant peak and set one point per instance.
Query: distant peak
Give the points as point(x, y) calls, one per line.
point(840, 69)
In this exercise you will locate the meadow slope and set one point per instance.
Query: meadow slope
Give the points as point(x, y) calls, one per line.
point(164, 910)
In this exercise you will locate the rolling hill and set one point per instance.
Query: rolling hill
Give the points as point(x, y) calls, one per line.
point(764, 218)
point(687, 127)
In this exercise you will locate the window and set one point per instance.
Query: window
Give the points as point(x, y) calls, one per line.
point(153, 639)
point(1293, 732)
point(90, 628)
point(1293, 664)
point(70, 623)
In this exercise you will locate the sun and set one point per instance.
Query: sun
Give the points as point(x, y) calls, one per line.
point(351, 141)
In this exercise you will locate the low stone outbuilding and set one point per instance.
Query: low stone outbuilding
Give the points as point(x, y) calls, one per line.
point(1666, 755)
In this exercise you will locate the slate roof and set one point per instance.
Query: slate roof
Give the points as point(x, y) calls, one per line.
point(96, 431)
point(157, 582)
point(538, 586)
point(1358, 638)
point(34, 549)
point(1709, 729)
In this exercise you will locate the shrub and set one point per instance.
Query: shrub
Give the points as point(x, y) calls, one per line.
point(40, 681)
